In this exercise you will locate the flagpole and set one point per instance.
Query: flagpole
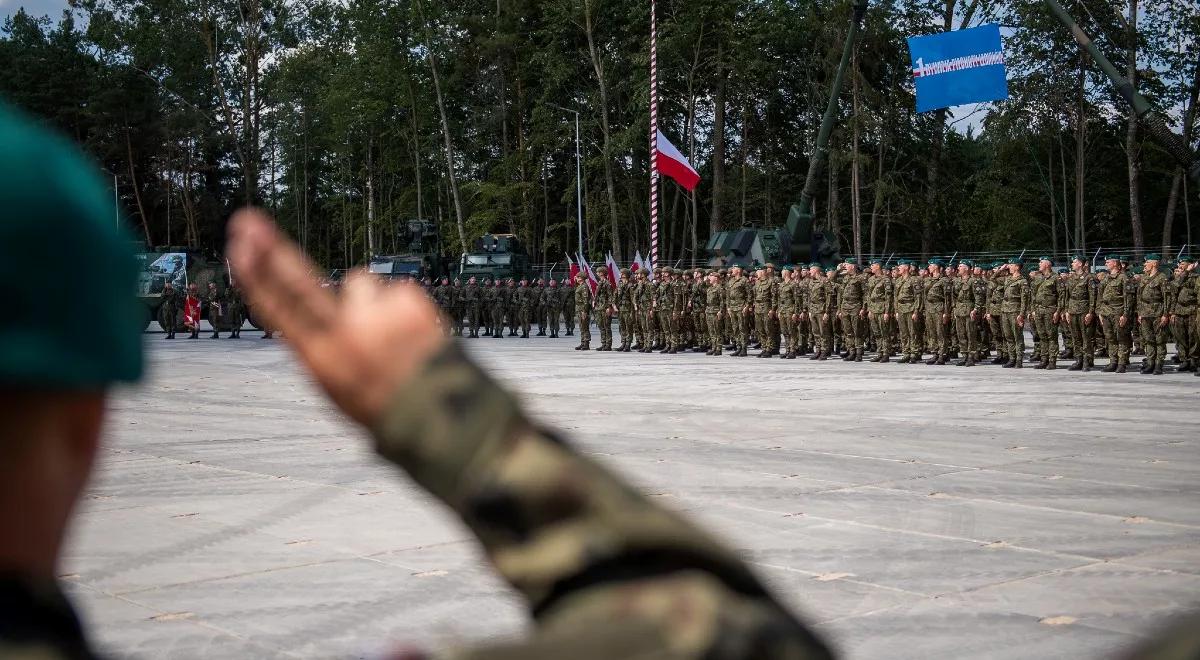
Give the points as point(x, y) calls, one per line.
point(653, 137)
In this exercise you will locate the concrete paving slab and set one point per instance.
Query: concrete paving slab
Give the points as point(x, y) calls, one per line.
point(908, 511)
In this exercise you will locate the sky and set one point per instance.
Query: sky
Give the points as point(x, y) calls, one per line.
point(51, 8)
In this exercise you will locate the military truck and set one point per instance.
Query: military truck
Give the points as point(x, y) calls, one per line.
point(180, 266)
point(420, 256)
point(495, 256)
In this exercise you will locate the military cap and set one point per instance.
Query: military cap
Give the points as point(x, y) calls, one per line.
point(1013, 260)
point(1045, 258)
point(624, 271)
point(850, 260)
point(966, 262)
point(787, 267)
point(1153, 256)
point(57, 210)
point(1112, 257)
point(760, 267)
point(1078, 257)
point(876, 260)
point(1185, 259)
point(830, 269)
point(936, 262)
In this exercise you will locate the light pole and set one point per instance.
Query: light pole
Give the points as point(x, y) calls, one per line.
point(578, 177)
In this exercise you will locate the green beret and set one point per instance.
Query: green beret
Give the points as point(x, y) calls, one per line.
point(1045, 258)
point(760, 267)
point(57, 211)
point(786, 267)
point(1185, 259)
point(1137, 270)
point(935, 262)
point(1013, 260)
point(850, 260)
point(1153, 256)
point(1079, 258)
point(830, 269)
point(1111, 257)
point(966, 262)
point(876, 260)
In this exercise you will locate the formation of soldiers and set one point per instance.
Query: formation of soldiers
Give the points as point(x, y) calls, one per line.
point(965, 314)
point(221, 308)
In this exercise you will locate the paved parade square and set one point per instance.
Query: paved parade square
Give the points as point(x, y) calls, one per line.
point(906, 511)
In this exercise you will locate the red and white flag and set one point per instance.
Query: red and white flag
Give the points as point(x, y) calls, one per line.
point(637, 262)
point(574, 269)
point(589, 273)
point(673, 164)
point(614, 273)
point(191, 313)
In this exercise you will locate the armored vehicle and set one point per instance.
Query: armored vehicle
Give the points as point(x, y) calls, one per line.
point(496, 256)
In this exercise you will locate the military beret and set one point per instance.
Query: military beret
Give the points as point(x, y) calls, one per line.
point(876, 260)
point(1137, 270)
point(850, 260)
point(1013, 260)
point(787, 267)
point(1078, 257)
point(831, 269)
point(57, 210)
point(1111, 257)
point(624, 271)
point(1045, 258)
point(759, 267)
point(966, 262)
point(1185, 259)
point(769, 265)
point(1153, 256)
point(935, 262)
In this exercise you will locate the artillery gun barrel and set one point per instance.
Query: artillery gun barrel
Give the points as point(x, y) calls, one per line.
point(821, 147)
point(1154, 122)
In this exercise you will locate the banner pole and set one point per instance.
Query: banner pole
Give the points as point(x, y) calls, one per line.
point(653, 137)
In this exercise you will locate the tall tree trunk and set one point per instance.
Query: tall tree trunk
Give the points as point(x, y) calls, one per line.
point(744, 156)
point(1189, 115)
point(877, 203)
point(1132, 149)
point(137, 191)
point(1053, 204)
point(371, 197)
point(1080, 151)
point(611, 192)
point(447, 142)
point(691, 128)
point(715, 221)
point(415, 140)
point(855, 184)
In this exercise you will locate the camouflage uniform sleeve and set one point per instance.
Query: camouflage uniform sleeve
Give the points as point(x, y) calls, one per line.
point(606, 573)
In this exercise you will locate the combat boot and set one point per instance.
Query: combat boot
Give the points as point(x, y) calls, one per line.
point(709, 352)
point(637, 347)
point(570, 332)
point(1011, 364)
point(524, 335)
point(970, 361)
point(1147, 367)
point(858, 355)
point(878, 358)
point(1077, 366)
point(1112, 366)
point(903, 359)
point(1158, 368)
point(1122, 367)
point(884, 357)
point(816, 355)
point(1088, 364)
point(963, 362)
point(1187, 366)
point(541, 332)
point(823, 356)
point(931, 361)
point(1000, 359)
point(1043, 364)
point(215, 335)
point(1052, 365)
point(672, 351)
point(1066, 354)
point(791, 356)
point(716, 351)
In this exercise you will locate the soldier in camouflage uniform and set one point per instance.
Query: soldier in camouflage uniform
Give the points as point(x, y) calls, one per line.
point(605, 305)
point(803, 326)
point(625, 315)
point(237, 310)
point(696, 302)
point(513, 311)
point(523, 302)
point(817, 312)
point(500, 303)
point(215, 300)
point(568, 305)
point(994, 316)
point(643, 300)
point(458, 307)
point(908, 304)
point(1079, 313)
point(1153, 310)
point(880, 301)
point(763, 291)
point(1183, 314)
point(539, 306)
point(553, 303)
point(939, 299)
point(1046, 303)
point(583, 311)
point(738, 301)
point(714, 307)
point(1114, 305)
point(442, 297)
point(168, 312)
point(1014, 308)
point(852, 306)
point(662, 307)
point(472, 305)
point(970, 299)
point(788, 312)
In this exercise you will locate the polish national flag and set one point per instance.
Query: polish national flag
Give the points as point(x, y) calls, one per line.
point(591, 274)
point(574, 269)
point(614, 273)
point(637, 262)
point(673, 164)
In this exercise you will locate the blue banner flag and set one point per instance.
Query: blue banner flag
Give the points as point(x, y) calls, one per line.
point(953, 68)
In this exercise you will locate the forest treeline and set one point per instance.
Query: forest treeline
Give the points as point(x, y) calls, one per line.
point(349, 118)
